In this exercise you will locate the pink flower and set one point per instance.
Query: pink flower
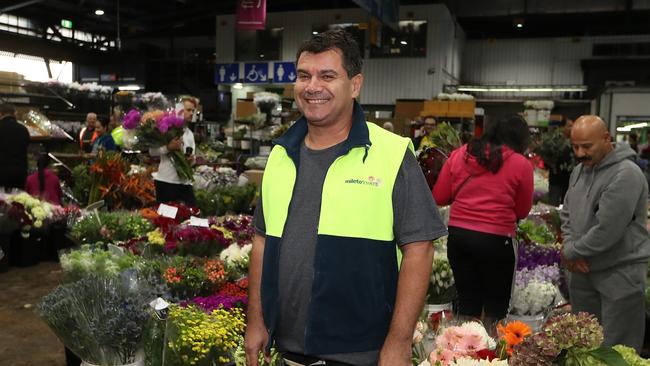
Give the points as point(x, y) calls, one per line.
point(168, 121)
point(444, 356)
point(131, 119)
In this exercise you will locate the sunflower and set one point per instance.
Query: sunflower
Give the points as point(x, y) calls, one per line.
point(513, 333)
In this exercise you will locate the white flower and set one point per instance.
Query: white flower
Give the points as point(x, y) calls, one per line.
point(38, 224)
point(425, 363)
point(472, 362)
point(533, 299)
point(417, 336)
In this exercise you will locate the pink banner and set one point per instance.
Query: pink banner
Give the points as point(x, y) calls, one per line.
point(251, 14)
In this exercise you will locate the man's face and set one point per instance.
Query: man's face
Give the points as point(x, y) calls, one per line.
point(99, 128)
point(590, 145)
point(429, 125)
point(323, 90)
point(91, 120)
point(188, 110)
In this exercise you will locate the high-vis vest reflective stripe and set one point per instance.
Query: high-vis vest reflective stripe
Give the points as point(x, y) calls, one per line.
point(355, 246)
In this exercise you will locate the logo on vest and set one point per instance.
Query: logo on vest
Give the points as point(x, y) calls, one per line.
point(371, 181)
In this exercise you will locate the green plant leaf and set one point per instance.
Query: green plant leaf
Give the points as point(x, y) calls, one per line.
point(609, 356)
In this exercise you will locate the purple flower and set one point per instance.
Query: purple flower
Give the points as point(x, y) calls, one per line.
point(532, 255)
point(213, 302)
point(131, 120)
point(168, 121)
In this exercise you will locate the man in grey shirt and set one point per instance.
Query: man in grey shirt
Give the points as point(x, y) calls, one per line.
point(291, 294)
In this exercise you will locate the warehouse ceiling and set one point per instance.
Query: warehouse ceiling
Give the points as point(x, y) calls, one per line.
point(479, 18)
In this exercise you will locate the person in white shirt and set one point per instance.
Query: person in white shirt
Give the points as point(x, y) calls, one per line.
point(169, 186)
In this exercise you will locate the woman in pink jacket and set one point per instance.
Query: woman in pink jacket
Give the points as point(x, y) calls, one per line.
point(490, 183)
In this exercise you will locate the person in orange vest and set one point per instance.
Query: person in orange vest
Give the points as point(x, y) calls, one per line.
point(87, 135)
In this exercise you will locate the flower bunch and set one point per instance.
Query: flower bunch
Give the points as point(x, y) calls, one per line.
point(80, 263)
point(241, 227)
point(441, 286)
point(266, 97)
point(539, 104)
point(155, 237)
point(236, 259)
point(237, 288)
point(198, 241)
point(184, 212)
point(207, 177)
point(538, 233)
point(157, 128)
point(458, 342)
point(28, 211)
point(189, 277)
point(534, 298)
point(111, 227)
point(511, 335)
point(154, 100)
point(198, 338)
point(531, 255)
point(217, 301)
point(478, 362)
point(101, 319)
point(226, 200)
point(543, 273)
point(568, 332)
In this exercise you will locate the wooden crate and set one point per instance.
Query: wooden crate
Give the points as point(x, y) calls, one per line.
point(245, 108)
point(436, 108)
point(461, 108)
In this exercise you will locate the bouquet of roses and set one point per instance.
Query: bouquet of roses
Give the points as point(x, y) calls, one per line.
point(157, 128)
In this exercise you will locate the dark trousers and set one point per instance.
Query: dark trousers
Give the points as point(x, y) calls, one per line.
point(168, 192)
point(483, 266)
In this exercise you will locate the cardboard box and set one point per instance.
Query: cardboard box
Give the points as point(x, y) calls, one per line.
point(245, 108)
point(408, 108)
point(288, 91)
point(255, 176)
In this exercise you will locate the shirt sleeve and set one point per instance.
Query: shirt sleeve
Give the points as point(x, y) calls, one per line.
point(258, 218)
point(416, 217)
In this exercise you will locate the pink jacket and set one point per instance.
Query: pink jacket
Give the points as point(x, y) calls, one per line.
point(485, 202)
point(52, 192)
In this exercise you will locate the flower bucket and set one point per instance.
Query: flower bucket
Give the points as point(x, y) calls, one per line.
point(535, 322)
point(438, 314)
point(138, 362)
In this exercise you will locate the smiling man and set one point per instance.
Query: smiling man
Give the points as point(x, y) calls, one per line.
point(606, 241)
point(339, 196)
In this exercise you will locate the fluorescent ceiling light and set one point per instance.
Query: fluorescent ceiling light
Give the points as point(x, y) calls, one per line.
point(629, 128)
point(403, 42)
point(129, 87)
point(519, 25)
point(238, 86)
point(522, 88)
point(314, 33)
point(99, 12)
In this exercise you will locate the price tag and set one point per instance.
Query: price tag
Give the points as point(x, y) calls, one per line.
point(167, 211)
point(196, 221)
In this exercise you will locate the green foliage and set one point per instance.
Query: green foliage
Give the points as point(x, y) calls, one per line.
point(81, 183)
point(537, 233)
point(631, 357)
point(555, 150)
point(222, 200)
point(445, 138)
point(115, 226)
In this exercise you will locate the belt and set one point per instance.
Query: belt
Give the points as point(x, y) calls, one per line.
point(294, 359)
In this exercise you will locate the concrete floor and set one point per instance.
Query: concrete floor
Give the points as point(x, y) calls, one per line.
point(24, 339)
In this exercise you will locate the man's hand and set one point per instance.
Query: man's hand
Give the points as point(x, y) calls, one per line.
point(255, 341)
point(396, 353)
point(579, 265)
point(175, 144)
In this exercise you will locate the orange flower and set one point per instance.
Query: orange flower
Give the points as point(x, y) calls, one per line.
point(513, 333)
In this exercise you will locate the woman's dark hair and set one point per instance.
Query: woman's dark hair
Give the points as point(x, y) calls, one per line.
point(104, 122)
point(511, 131)
point(42, 163)
point(335, 39)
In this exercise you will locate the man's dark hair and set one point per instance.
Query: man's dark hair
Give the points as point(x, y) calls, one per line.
point(511, 131)
point(7, 109)
point(335, 39)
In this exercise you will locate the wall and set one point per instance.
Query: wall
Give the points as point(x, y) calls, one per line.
point(531, 61)
point(385, 79)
